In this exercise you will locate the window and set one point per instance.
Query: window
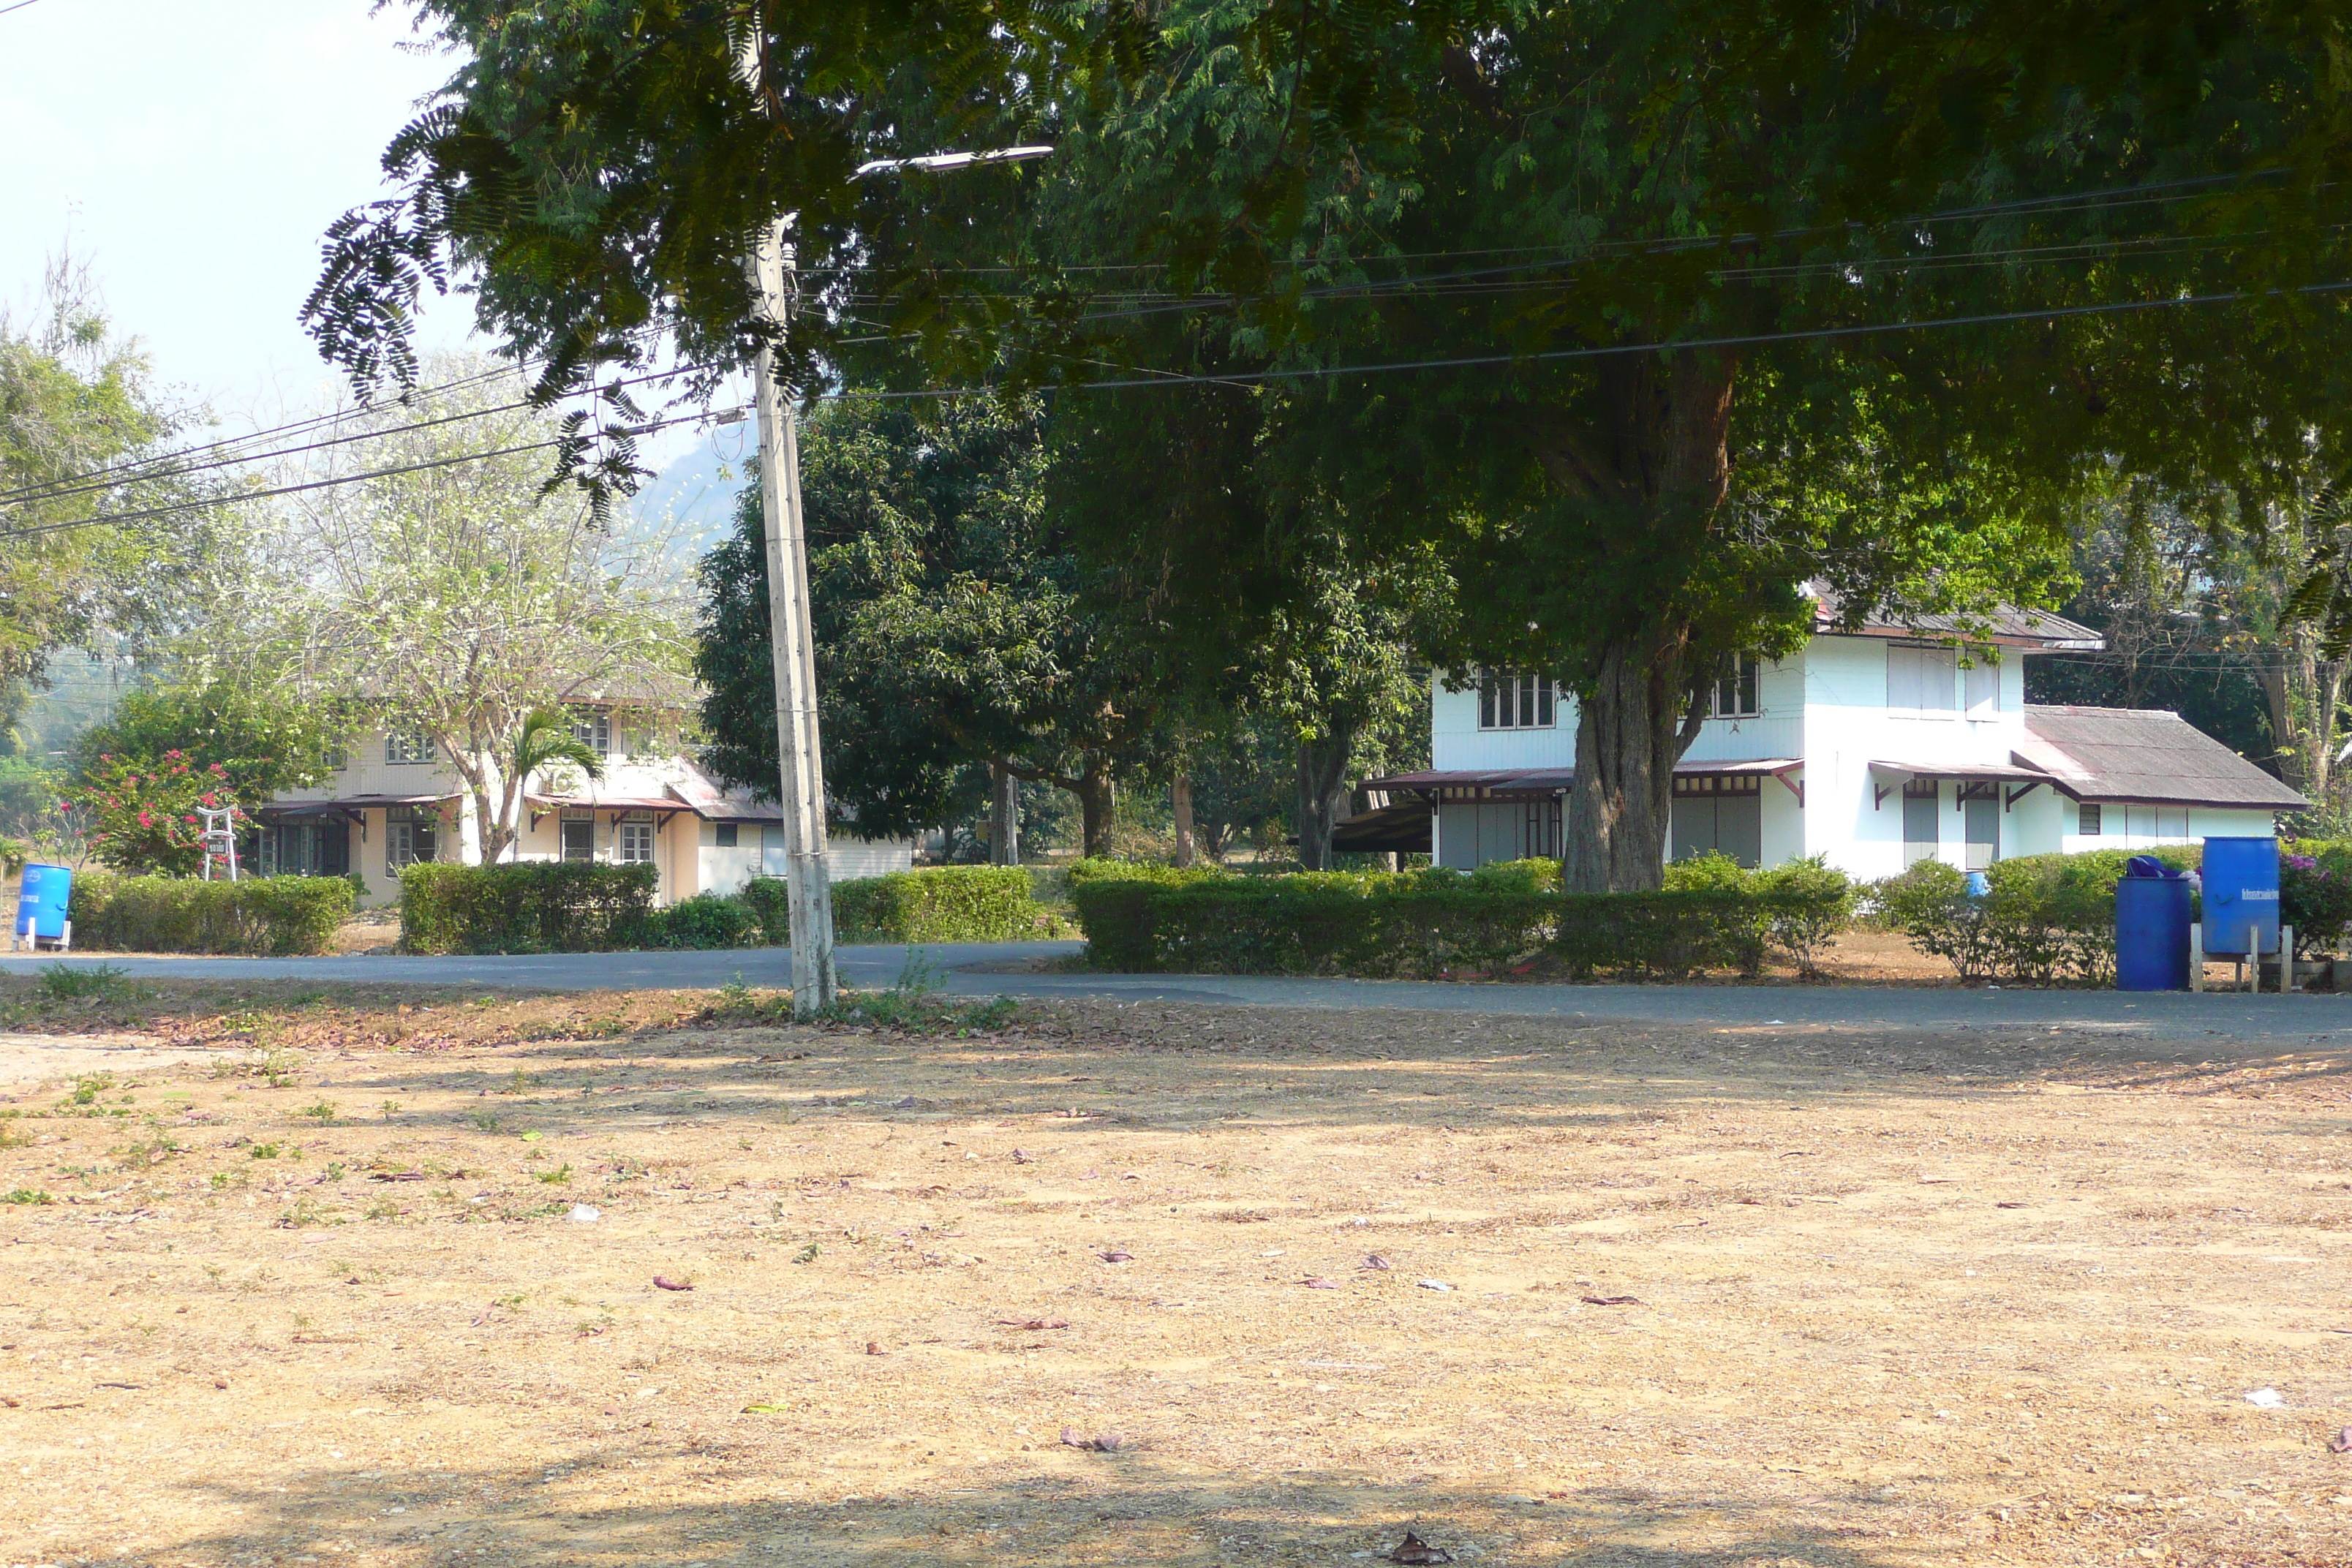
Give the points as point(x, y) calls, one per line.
point(1717, 814)
point(407, 745)
point(2086, 821)
point(1516, 702)
point(1734, 696)
point(1983, 677)
point(579, 831)
point(724, 834)
point(407, 837)
point(334, 757)
point(636, 843)
point(594, 730)
point(1923, 825)
point(1920, 679)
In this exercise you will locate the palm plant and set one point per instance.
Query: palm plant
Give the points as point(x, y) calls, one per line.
point(546, 739)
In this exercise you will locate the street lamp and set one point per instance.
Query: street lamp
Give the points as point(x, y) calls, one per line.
point(808, 885)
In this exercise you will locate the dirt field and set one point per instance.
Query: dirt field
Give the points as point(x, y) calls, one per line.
point(321, 1293)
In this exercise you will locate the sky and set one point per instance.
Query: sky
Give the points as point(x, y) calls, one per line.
point(193, 155)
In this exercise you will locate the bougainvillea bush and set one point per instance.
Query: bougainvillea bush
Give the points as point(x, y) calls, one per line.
point(139, 815)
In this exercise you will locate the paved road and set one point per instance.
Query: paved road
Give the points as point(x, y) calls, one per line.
point(986, 969)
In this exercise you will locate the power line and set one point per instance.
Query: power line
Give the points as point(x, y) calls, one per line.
point(1745, 340)
point(19, 5)
point(141, 516)
point(322, 446)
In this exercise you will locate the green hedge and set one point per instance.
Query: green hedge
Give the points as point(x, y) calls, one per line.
point(944, 903)
point(1439, 922)
point(556, 906)
point(704, 921)
point(2046, 918)
point(265, 916)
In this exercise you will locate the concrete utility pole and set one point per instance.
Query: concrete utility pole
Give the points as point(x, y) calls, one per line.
point(808, 884)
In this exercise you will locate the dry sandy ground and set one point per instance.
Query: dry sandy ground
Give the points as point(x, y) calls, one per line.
point(1710, 1297)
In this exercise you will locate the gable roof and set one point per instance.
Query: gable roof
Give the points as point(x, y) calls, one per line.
point(2145, 754)
point(2003, 624)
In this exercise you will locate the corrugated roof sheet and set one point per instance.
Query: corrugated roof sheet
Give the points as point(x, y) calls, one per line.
point(2145, 754)
point(2002, 624)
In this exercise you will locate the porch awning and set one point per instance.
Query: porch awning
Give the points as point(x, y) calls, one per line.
point(547, 802)
point(1969, 772)
point(1458, 785)
point(346, 805)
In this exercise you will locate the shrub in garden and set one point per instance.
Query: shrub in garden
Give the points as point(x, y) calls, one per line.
point(943, 903)
point(2316, 893)
point(259, 916)
point(2046, 919)
point(547, 906)
point(139, 815)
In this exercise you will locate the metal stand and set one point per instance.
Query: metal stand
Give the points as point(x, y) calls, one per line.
point(219, 839)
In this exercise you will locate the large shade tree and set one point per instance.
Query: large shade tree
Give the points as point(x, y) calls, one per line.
point(1721, 302)
point(957, 624)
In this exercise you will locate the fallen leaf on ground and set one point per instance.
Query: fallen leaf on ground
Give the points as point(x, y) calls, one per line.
point(2341, 1443)
point(1106, 1443)
point(1414, 1549)
point(1373, 1260)
point(874, 1349)
point(2009, 1206)
point(1021, 1156)
point(1611, 1300)
point(1034, 1322)
point(1117, 1255)
point(1316, 1282)
point(395, 1176)
point(663, 1282)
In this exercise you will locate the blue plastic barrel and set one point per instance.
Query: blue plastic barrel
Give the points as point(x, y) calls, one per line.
point(2152, 933)
point(42, 900)
point(2242, 891)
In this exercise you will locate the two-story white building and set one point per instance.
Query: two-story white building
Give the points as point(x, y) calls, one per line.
point(394, 800)
point(1878, 747)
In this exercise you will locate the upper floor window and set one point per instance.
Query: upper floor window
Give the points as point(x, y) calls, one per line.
point(407, 745)
point(1734, 693)
point(1921, 678)
point(1982, 678)
point(594, 730)
point(1516, 702)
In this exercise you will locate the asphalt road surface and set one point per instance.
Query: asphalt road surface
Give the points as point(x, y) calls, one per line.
point(991, 969)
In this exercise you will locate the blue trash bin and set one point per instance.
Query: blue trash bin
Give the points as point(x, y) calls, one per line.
point(2241, 897)
point(43, 900)
point(2152, 906)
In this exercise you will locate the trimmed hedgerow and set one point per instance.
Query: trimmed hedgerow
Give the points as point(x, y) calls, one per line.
point(772, 905)
point(540, 906)
point(1437, 921)
point(705, 921)
point(261, 916)
point(943, 903)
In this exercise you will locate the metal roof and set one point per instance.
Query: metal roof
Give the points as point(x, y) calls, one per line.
point(2145, 754)
point(1549, 781)
point(2003, 624)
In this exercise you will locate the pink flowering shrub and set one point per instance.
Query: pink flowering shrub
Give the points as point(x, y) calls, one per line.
point(139, 815)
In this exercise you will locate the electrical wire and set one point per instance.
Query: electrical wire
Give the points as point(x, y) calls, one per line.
point(50, 495)
point(110, 519)
point(1744, 339)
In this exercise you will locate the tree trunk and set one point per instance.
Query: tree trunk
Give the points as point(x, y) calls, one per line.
point(1097, 799)
point(1632, 729)
point(1664, 457)
point(1179, 799)
point(1323, 795)
point(1005, 816)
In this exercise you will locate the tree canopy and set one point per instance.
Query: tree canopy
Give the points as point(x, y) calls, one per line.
point(1705, 308)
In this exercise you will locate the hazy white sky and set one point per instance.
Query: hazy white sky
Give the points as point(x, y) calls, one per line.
point(195, 153)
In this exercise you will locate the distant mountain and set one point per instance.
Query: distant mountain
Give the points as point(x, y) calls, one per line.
point(698, 490)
